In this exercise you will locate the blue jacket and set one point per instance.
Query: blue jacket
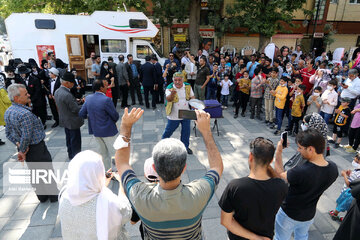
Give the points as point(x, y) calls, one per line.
point(102, 115)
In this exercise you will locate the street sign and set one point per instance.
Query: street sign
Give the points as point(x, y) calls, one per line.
point(318, 35)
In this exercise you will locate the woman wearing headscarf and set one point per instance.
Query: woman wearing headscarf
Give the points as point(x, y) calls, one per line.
point(313, 121)
point(5, 102)
point(87, 208)
point(107, 73)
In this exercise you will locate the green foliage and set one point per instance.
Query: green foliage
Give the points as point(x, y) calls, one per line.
point(265, 17)
point(66, 6)
point(329, 37)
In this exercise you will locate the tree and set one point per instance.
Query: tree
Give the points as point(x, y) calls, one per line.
point(166, 11)
point(265, 17)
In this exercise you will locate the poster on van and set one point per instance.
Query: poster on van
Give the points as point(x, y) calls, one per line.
point(43, 50)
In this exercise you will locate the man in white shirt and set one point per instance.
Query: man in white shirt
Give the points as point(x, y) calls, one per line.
point(351, 87)
point(191, 70)
point(178, 95)
point(185, 59)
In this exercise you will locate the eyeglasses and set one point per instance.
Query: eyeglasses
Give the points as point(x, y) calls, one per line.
point(256, 142)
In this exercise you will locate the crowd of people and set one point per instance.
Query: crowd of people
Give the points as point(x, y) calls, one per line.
point(311, 92)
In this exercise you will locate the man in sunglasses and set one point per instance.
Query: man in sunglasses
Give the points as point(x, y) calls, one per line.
point(249, 204)
point(170, 60)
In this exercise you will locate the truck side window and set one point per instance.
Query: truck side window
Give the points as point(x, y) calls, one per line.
point(45, 24)
point(142, 51)
point(113, 46)
point(138, 23)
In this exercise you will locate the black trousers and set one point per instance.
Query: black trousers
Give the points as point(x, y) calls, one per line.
point(294, 124)
point(54, 110)
point(255, 103)
point(135, 88)
point(124, 95)
point(40, 111)
point(73, 142)
point(160, 93)
point(147, 90)
point(241, 100)
point(38, 154)
point(354, 137)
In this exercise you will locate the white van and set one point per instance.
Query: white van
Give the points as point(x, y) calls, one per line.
point(74, 37)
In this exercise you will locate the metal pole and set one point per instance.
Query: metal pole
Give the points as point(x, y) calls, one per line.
point(316, 18)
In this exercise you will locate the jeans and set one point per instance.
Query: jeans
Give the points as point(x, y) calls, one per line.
point(211, 93)
point(285, 226)
point(224, 100)
point(279, 114)
point(326, 116)
point(73, 142)
point(199, 92)
point(172, 125)
point(294, 124)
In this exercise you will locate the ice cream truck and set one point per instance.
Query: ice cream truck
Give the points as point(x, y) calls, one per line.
point(73, 37)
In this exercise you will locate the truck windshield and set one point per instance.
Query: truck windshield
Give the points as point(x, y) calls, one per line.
point(157, 50)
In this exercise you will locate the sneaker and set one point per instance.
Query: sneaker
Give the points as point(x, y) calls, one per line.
point(273, 126)
point(1, 142)
point(347, 146)
point(350, 150)
point(236, 116)
point(277, 132)
point(334, 216)
point(331, 141)
point(223, 107)
point(337, 145)
point(266, 122)
point(243, 114)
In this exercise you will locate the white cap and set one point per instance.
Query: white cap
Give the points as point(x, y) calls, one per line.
point(54, 71)
point(149, 171)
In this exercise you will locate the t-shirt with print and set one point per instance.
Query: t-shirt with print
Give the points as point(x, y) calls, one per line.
point(225, 87)
point(340, 120)
point(213, 82)
point(182, 104)
point(170, 214)
point(298, 105)
point(307, 184)
point(246, 198)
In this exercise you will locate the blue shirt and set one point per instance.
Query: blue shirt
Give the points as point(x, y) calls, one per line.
point(134, 70)
point(251, 71)
point(22, 126)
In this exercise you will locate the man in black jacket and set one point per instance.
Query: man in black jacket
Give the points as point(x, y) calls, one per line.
point(133, 69)
point(52, 85)
point(160, 79)
point(149, 82)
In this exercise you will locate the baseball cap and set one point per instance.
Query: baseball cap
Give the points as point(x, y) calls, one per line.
point(149, 171)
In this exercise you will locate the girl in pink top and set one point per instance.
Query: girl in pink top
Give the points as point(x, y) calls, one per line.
point(354, 132)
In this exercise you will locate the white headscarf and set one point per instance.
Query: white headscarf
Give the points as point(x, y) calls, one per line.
point(86, 180)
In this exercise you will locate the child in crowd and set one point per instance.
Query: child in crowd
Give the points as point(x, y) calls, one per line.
point(329, 101)
point(280, 97)
point(345, 199)
point(242, 93)
point(213, 83)
point(342, 115)
point(271, 84)
point(295, 82)
point(314, 102)
point(225, 86)
point(297, 109)
point(354, 131)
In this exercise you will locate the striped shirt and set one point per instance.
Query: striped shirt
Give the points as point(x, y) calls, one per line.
point(23, 126)
point(170, 214)
point(256, 90)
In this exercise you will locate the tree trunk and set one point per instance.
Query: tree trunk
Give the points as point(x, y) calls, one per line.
point(194, 22)
point(263, 42)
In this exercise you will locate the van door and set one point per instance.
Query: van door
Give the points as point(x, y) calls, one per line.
point(75, 48)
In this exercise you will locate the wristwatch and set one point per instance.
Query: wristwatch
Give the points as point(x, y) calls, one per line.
point(121, 142)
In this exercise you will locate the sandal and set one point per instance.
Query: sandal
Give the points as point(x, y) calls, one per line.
point(333, 216)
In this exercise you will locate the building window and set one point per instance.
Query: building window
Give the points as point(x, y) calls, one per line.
point(355, 1)
point(321, 9)
point(334, 1)
point(142, 51)
point(113, 46)
point(45, 24)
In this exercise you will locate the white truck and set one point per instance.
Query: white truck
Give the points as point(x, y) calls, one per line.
point(73, 37)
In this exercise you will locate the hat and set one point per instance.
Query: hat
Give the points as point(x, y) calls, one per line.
point(149, 171)
point(346, 99)
point(330, 63)
point(54, 71)
point(69, 77)
point(178, 74)
point(23, 69)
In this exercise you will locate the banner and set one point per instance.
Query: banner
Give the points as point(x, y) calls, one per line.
point(43, 50)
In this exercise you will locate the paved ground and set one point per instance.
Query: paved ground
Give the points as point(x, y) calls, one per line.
point(22, 217)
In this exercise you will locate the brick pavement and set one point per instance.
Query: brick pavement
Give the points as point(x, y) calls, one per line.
point(22, 217)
